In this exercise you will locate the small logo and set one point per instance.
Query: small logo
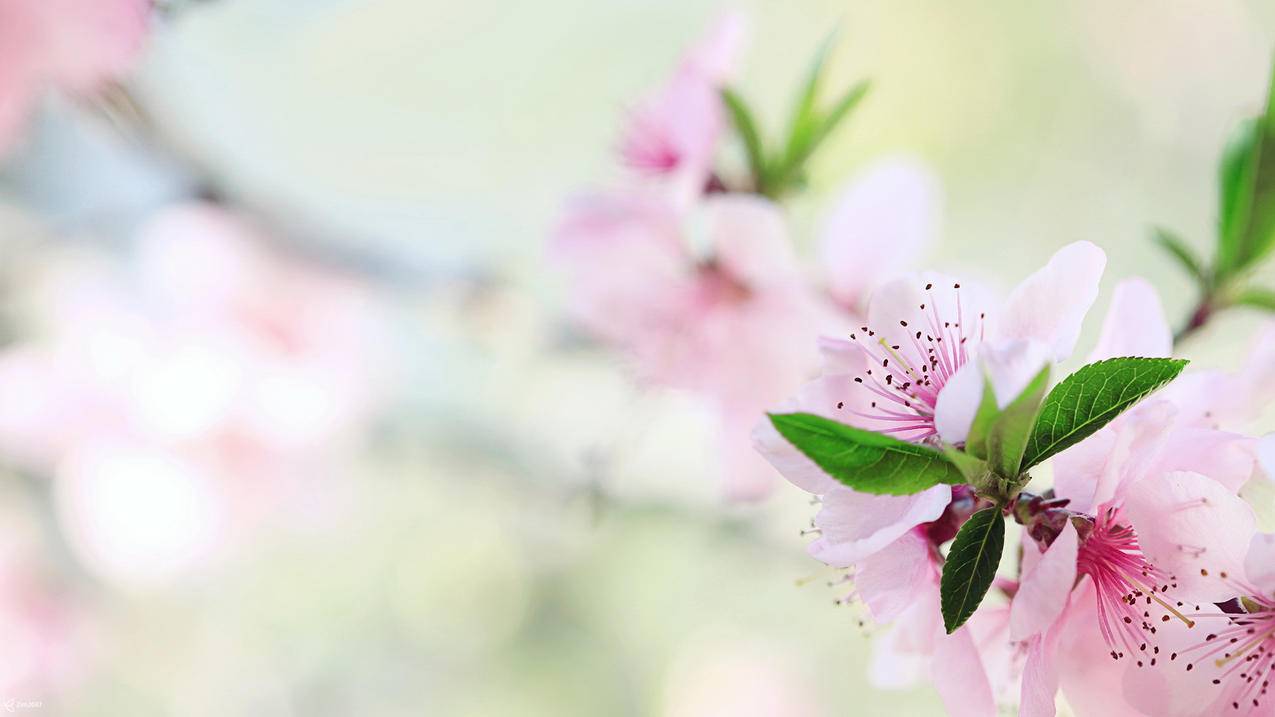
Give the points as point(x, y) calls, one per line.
point(15, 705)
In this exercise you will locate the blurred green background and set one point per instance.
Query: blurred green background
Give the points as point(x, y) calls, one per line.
point(526, 532)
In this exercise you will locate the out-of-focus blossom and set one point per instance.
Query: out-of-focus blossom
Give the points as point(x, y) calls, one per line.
point(711, 298)
point(883, 220)
point(673, 134)
point(68, 45)
point(714, 303)
point(190, 395)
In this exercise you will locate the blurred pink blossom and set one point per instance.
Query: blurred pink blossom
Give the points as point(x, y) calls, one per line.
point(672, 135)
point(68, 45)
point(713, 302)
point(179, 404)
point(711, 297)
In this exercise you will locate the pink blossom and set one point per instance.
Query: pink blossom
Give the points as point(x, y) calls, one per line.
point(897, 373)
point(685, 296)
point(63, 44)
point(887, 215)
point(1224, 665)
point(900, 584)
point(1230, 400)
point(673, 134)
point(190, 395)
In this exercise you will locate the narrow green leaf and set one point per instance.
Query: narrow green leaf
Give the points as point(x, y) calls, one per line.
point(742, 119)
point(1246, 211)
point(1180, 250)
point(804, 119)
point(1008, 436)
point(976, 439)
point(1090, 398)
point(1234, 192)
point(840, 111)
point(973, 468)
point(971, 566)
point(866, 461)
point(1255, 297)
point(790, 169)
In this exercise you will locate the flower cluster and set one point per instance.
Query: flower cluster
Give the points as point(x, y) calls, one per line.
point(690, 273)
point(936, 420)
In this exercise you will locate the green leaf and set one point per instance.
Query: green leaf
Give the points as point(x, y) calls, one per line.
point(742, 119)
point(971, 566)
point(1233, 191)
point(1256, 298)
point(1180, 250)
point(1007, 439)
point(973, 468)
point(804, 119)
point(1090, 398)
point(790, 169)
point(840, 111)
point(864, 460)
point(976, 439)
point(1246, 211)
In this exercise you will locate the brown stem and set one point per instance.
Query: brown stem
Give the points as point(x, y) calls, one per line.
point(1199, 317)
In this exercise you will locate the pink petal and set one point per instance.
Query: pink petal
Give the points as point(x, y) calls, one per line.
point(890, 580)
point(1170, 690)
point(1098, 469)
point(1265, 451)
point(749, 239)
point(1227, 458)
point(1011, 365)
point(1043, 591)
point(716, 55)
point(1135, 324)
point(855, 525)
point(959, 677)
point(1089, 681)
point(1187, 523)
point(883, 220)
point(1040, 676)
point(958, 402)
point(1050, 305)
point(1259, 564)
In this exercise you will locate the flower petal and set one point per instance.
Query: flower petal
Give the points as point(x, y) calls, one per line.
point(1050, 305)
point(1259, 564)
point(1040, 676)
point(1135, 324)
point(890, 580)
point(958, 675)
point(855, 525)
point(1192, 527)
point(749, 239)
point(1011, 365)
point(886, 216)
point(958, 402)
point(1043, 592)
